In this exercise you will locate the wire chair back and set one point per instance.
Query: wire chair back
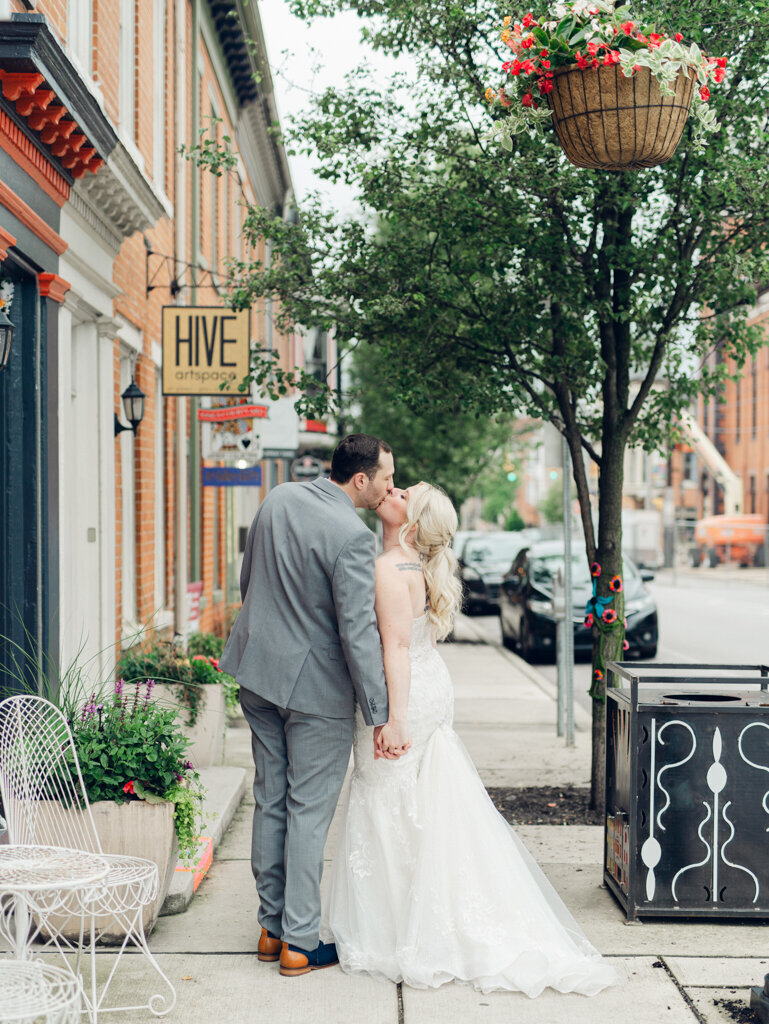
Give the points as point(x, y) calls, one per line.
point(40, 777)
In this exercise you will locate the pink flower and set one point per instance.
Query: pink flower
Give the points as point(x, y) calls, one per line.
point(678, 37)
point(129, 787)
point(595, 569)
point(609, 616)
point(704, 94)
point(719, 75)
point(615, 584)
point(598, 675)
point(627, 27)
point(589, 620)
point(625, 645)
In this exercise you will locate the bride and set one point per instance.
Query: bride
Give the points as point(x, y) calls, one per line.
point(429, 884)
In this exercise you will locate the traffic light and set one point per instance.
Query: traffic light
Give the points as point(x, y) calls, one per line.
point(554, 473)
point(512, 477)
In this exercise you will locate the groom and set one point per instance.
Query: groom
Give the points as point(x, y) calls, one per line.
point(303, 648)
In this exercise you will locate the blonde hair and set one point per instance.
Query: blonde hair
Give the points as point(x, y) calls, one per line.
point(433, 520)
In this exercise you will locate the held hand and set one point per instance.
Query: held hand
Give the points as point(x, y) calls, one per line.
point(378, 751)
point(392, 740)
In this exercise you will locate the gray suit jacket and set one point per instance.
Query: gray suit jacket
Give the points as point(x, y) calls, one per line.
point(306, 637)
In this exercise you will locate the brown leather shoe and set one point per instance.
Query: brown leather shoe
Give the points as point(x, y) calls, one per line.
point(295, 961)
point(268, 950)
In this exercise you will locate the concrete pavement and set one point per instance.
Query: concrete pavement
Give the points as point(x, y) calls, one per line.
point(505, 714)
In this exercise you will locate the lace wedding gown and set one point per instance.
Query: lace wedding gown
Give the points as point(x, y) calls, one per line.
point(429, 884)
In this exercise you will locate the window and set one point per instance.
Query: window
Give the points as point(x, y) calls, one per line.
point(754, 398)
point(737, 408)
point(752, 493)
point(127, 82)
point(79, 32)
point(159, 113)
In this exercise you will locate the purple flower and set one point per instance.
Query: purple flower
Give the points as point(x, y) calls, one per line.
point(119, 687)
point(150, 684)
point(188, 766)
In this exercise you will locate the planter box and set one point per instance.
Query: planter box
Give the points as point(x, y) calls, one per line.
point(135, 829)
point(207, 734)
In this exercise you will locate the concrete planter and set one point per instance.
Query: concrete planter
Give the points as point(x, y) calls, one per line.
point(207, 734)
point(135, 829)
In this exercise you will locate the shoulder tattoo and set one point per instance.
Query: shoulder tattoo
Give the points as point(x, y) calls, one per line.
point(408, 567)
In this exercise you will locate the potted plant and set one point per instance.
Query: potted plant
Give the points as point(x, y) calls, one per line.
point(145, 795)
point(618, 90)
point(190, 682)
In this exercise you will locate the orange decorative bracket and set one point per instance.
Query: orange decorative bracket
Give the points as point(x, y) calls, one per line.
point(18, 85)
point(53, 287)
point(6, 241)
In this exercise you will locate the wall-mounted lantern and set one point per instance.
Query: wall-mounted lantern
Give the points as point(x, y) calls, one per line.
point(133, 405)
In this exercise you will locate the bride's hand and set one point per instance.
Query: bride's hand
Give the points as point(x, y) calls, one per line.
point(392, 740)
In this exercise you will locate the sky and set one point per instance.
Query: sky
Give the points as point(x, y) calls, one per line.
point(307, 59)
point(297, 75)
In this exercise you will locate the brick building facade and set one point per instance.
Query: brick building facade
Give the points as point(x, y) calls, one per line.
point(102, 223)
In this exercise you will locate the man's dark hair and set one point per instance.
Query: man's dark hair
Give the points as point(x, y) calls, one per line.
point(356, 453)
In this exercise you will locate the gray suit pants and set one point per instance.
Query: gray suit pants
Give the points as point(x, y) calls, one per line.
point(300, 763)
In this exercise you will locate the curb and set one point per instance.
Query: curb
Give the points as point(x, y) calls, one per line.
point(225, 787)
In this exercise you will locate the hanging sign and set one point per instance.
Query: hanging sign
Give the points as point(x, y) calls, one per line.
point(203, 348)
point(233, 412)
point(229, 476)
point(231, 431)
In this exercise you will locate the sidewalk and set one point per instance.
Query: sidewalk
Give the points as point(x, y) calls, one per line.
point(505, 714)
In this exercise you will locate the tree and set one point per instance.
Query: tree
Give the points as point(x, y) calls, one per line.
point(518, 282)
point(452, 450)
point(551, 505)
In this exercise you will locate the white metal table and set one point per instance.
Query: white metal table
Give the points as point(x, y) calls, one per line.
point(40, 881)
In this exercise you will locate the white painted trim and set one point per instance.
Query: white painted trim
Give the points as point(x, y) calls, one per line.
point(130, 335)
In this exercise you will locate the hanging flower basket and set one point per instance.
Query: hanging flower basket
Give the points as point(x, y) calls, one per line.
point(617, 91)
point(604, 120)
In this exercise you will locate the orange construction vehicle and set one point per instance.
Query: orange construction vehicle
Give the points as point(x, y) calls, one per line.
point(735, 538)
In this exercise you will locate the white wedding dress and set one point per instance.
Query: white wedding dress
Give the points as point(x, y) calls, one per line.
point(429, 883)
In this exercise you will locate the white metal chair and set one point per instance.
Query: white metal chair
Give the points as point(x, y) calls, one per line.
point(39, 993)
point(37, 786)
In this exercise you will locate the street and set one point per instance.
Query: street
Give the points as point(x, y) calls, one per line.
point(703, 617)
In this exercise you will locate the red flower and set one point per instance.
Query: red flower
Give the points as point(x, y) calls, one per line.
point(581, 62)
point(129, 787)
point(528, 20)
point(641, 38)
point(719, 75)
point(543, 53)
point(528, 100)
point(598, 675)
point(595, 62)
point(504, 99)
point(592, 49)
point(625, 645)
point(595, 569)
point(627, 27)
point(589, 620)
point(678, 37)
point(704, 94)
point(515, 68)
point(528, 67)
point(720, 62)
point(199, 657)
point(609, 616)
point(527, 43)
point(544, 64)
point(615, 584)
point(545, 86)
point(654, 40)
point(215, 663)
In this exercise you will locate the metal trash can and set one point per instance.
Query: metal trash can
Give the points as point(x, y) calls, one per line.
point(687, 790)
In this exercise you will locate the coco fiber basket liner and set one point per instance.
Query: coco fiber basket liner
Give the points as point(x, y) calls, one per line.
point(606, 121)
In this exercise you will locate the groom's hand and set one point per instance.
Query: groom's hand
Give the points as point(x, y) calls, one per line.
point(378, 749)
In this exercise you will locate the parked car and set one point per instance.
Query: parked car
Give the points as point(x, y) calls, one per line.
point(525, 609)
point(484, 559)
